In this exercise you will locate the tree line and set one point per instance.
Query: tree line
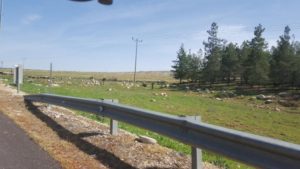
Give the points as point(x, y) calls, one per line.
point(251, 63)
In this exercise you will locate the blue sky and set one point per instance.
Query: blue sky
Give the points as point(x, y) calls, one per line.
point(92, 37)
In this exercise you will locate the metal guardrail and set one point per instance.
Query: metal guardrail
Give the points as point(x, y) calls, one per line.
point(258, 151)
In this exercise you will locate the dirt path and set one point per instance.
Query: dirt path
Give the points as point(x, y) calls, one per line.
point(78, 142)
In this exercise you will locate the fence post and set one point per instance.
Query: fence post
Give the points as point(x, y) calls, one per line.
point(17, 79)
point(114, 123)
point(196, 152)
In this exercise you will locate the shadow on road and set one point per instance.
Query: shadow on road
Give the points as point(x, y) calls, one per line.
point(106, 158)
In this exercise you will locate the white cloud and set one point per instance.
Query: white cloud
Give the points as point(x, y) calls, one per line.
point(231, 33)
point(31, 18)
point(235, 33)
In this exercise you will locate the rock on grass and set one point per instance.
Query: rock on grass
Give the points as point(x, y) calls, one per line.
point(147, 140)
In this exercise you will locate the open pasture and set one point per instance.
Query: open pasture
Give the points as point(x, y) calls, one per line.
point(244, 113)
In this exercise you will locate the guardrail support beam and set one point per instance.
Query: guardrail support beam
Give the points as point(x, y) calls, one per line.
point(113, 127)
point(196, 152)
point(114, 123)
point(196, 158)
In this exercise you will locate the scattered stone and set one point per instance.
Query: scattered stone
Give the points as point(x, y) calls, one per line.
point(287, 103)
point(261, 97)
point(270, 97)
point(277, 109)
point(207, 91)
point(93, 156)
point(164, 94)
point(219, 99)
point(284, 103)
point(225, 94)
point(173, 86)
point(283, 94)
point(146, 139)
point(179, 154)
point(252, 98)
point(55, 85)
point(57, 116)
point(269, 101)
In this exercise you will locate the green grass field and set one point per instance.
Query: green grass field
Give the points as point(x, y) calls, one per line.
point(236, 113)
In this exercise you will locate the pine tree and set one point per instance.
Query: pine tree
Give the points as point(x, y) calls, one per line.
point(229, 63)
point(282, 59)
point(180, 67)
point(295, 81)
point(257, 65)
point(244, 52)
point(195, 66)
point(212, 61)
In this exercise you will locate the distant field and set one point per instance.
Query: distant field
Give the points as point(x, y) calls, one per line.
point(241, 113)
point(121, 76)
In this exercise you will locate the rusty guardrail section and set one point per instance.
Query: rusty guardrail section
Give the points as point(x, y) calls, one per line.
point(258, 151)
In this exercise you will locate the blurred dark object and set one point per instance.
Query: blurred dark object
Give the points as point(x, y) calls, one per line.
point(104, 2)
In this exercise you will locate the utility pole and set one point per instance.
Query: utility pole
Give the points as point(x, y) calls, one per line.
point(137, 41)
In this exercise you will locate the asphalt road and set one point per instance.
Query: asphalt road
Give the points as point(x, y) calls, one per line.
point(17, 151)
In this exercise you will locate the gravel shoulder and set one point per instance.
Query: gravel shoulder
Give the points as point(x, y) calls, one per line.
point(78, 142)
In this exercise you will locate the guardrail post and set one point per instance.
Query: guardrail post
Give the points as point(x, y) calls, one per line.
point(114, 123)
point(196, 158)
point(196, 152)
